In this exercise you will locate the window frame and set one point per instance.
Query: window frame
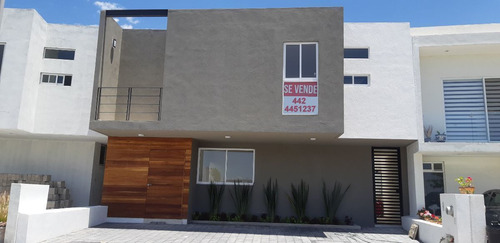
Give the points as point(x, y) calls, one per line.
point(359, 75)
point(59, 49)
point(57, 75)
point(4, 44)
point(485, 103)
point(225, 182)
point(358, 58)
point(300, 78)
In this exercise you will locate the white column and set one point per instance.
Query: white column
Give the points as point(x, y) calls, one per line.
point(415, 179)
point(24, 198)
point(464, 217)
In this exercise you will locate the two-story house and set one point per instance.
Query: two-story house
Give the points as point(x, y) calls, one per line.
point(252, 94)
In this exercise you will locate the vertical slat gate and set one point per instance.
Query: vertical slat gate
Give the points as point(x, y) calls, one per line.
point(387, 185)
point(493, 102)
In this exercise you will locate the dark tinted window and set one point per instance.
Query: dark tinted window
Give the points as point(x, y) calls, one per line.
point(292, 61)
point(427, 166)
point(60, 79)
point(309, 60)
point(347, 79)
point(360, 80)
point(1, 55)
point(356, 53)
point(59, 54)
point(67, 80)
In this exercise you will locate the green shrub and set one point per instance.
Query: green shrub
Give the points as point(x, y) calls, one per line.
point(332, 199)
point(298, 199)
point(271, 198)
point(215, 193)
point(4, 207)
point(241, 198)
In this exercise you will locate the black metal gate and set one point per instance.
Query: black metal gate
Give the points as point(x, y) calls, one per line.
point(387, 185)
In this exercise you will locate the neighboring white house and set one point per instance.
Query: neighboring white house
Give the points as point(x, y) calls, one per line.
point(46, 79)
point(457, 75)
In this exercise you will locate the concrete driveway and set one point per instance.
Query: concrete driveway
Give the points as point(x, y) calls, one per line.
point(113, 232)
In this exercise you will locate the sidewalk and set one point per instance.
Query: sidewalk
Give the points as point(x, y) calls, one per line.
point(112, 232)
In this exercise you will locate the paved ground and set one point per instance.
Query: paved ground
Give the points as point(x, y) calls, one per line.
point(229, 233)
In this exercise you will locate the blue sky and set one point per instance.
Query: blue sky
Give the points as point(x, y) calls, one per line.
point(417, 12)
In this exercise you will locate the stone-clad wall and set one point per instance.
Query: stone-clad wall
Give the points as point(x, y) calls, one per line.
point(59, 196)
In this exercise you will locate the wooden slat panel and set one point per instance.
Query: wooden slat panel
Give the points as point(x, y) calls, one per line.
point(132, 163)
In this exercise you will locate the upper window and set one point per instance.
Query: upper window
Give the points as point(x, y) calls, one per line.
point(2, 46)
point(226, 166)
point(59, 54)
point(58, 79)
point(356, 53)
point(472, 110)
point(351, 79)
point(301, 61)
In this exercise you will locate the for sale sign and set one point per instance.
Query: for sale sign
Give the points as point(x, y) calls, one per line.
point(300, 98)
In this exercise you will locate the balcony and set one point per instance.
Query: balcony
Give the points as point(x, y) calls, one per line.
point(128, 104)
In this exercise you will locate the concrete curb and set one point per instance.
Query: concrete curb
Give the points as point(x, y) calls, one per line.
point(346, 227)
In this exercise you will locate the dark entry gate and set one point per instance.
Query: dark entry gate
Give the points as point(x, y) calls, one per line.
point(387, 185)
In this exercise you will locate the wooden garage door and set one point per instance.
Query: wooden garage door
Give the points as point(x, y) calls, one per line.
point(147, 177)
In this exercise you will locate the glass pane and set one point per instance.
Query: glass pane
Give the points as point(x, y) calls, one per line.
point(427, 166)
point(433, 186)
point(60, 79)
point(347, 79)
point(52, 78)
point(45, 78)
point(292, 61)
point(240, 166)
point(66, 55)
point(356, 53)
point(360, 80)
point(59, 54)
point(50, 53)
point(1, 55)
point(212, 165)
point(309, 61)
point(67, 80)
point(438, 167)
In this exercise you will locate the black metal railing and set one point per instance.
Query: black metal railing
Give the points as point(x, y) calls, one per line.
point(128, 104)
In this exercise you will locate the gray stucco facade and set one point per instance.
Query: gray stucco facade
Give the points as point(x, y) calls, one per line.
point(222, 77)
point(223, 69)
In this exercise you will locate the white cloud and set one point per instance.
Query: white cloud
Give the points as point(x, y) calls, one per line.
point(107, 5)
point(117, 20)
point(132, 20)
point(127, 26)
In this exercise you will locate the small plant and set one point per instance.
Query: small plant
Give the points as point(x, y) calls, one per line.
point(428, 133)
point(241, 198)
point(271, 198)
point(298, 199)
point(333, 198)
point(215, 193)
point(424, 214)
point(467, 182)
point(4, 208)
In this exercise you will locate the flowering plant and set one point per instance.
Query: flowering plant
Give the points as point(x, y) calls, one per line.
point(424, 214)
point(467, 182)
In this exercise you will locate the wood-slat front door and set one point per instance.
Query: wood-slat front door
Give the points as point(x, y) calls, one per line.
point(147, 177)
point(165, 184)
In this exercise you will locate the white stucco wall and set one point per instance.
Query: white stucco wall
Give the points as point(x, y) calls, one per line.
point(484, 170)
point(435, 69)
point(66, 109)
point(385, 109)
point(15, 32)
point(26, 104)
point(70, 161)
